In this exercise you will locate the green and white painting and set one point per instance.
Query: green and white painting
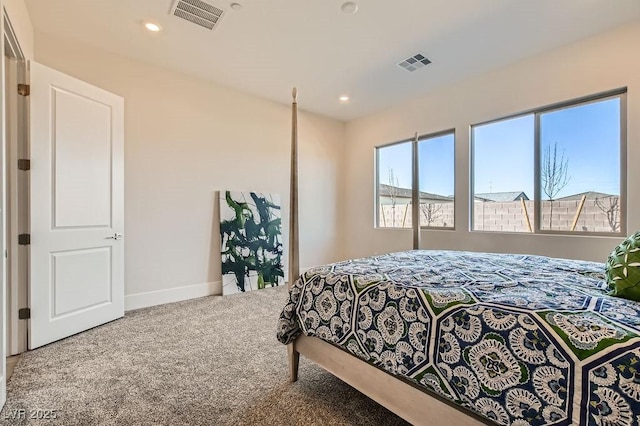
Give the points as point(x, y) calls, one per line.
point(251, 235)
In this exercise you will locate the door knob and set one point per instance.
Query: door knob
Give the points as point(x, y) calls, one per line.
point(115, 236)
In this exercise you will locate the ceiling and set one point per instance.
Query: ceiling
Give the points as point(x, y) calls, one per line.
point(272, 45)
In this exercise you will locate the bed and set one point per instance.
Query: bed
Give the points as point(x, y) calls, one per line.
point(517, 339)
point(462, 338)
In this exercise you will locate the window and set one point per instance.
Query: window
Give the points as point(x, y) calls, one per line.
point(565, 177)
point(394, 185)
point(503, 175)
point(436, 180)
point(580, 167)
point(436, 169)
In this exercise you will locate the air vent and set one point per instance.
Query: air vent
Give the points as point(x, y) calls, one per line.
point(415, 62)
point(199, 12)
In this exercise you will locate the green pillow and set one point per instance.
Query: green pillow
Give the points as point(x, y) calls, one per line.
point(623, 269)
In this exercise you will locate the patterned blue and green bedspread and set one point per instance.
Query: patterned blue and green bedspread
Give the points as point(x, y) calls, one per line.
point(519, 339)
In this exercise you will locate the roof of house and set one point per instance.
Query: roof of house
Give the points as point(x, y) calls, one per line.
point(388, 190)
point(502, 197)
point(591, 195)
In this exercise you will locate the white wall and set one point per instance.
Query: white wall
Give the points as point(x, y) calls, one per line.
point(185, 139)
point(598, 64)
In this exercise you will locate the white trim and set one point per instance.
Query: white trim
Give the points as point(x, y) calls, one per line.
point(15, 145)
point(176, 294)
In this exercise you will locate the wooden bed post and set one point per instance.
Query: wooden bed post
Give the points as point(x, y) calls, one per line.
point(415, 197)
point(294, 250)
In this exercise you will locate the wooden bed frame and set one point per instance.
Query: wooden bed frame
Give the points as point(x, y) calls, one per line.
point(407, 401)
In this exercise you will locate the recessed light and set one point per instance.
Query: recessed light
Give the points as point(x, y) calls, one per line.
point(344, 99)
point(151, 26)
point(349, 7)
point(236, 6)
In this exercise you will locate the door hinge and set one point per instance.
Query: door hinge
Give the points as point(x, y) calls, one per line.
point(24, 313)
point(24, 89)
point(24, 164)
point(24, 239)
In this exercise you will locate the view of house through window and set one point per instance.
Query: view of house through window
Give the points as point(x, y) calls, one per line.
point(579, 157)
point(580, 167)
point(394, 185)
point(436, 180)
point(503, 175)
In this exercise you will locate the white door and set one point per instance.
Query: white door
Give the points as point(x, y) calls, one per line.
point(76, 278)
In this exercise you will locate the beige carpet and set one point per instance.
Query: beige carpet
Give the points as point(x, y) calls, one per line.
point(209, 361)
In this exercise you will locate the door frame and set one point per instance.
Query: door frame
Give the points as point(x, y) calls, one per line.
point(16, 197)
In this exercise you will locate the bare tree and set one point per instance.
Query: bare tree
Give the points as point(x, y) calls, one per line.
point(431, 212)
point(612, 209)
point(554, 175)
point(393, 192)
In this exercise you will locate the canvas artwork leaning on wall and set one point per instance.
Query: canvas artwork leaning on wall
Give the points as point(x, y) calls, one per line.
point(251, 237)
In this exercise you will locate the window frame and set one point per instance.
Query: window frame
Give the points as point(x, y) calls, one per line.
point(441, 133)
point(376, 189)
point(620, 94)
point(411, 141)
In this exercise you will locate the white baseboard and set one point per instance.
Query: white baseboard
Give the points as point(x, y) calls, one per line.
point(177, 294)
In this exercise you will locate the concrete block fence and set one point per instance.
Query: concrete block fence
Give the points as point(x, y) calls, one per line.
point(510, 216)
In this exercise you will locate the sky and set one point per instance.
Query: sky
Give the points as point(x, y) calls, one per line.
point(436, 164)
point(587, 135)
